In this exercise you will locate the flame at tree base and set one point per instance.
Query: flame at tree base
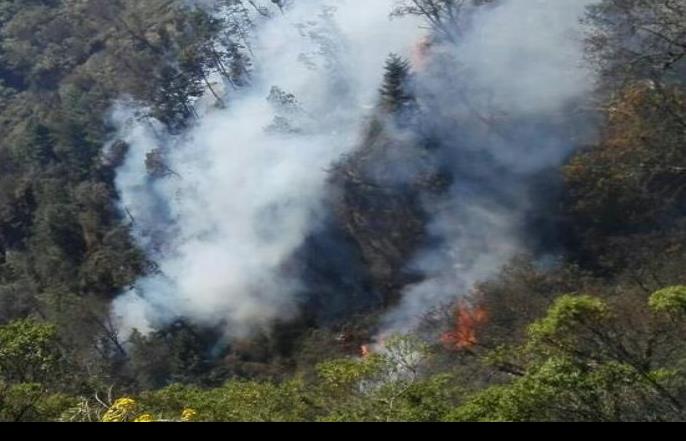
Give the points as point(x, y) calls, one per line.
point(464, 333)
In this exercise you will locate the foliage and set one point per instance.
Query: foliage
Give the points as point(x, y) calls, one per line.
point(396, 83)
point(595, 335)
point(29, 352)
point(574, 368)
point(638, 38)
point(65, 248)
point(671, 299)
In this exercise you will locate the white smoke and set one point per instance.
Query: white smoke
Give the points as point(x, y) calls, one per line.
point(242, 198)
point(501, 90)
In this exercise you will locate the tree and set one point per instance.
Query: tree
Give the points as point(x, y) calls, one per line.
point(31, 367)
point(395, 89)
point(448, 18)
point(586, 361)
point(389, 385)
point(29, 352)
point(172, 105)
point(26, 402)
point(236, 401)
point(636, 39)
point(37, 150)
point(634, 179)
point(177, 354)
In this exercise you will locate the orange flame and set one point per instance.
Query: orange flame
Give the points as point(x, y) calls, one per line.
point(365, 351)
point(467, 320)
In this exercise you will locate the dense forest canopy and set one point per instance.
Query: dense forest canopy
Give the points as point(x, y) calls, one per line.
point(237, 210)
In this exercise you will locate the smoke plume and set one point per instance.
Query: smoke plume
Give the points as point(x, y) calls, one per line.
point(504, 103)
point(246, 183)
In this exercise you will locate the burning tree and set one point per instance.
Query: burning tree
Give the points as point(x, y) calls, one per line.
point(463, 335)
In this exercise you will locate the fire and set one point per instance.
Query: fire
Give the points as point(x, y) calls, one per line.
point(467, 320)
point(420, 53)
point(376, 345)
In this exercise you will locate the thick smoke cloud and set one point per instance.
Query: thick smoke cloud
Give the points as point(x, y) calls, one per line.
point(248, 181)
point(503, 102)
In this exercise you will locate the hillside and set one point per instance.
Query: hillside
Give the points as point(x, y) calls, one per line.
point(306, 210)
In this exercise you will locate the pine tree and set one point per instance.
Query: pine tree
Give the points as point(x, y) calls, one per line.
point(395, 96)
point(172, 105)
point(38, 148)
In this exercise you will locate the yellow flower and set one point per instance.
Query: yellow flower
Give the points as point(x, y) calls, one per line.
point(188, 415)
point(119, 411)
point(125, 403)
point(145, 418)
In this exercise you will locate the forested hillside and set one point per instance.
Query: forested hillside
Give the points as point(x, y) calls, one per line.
point(450, 210)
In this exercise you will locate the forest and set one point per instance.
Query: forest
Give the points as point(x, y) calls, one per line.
point(342, 210)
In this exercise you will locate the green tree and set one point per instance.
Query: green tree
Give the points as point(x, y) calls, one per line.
point(29, 352)
point(31, 367)
point(395, 95)
point(584, 362)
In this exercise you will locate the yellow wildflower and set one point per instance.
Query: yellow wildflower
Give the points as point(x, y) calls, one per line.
point(145, 418)
point(119, 411)
point(188, 415)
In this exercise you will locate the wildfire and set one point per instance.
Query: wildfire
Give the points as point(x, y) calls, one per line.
point(420, 53)
point(376, 345)
point(467, 320)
